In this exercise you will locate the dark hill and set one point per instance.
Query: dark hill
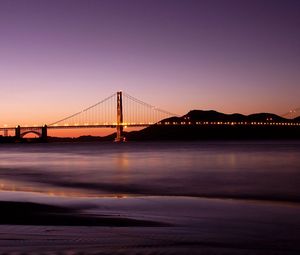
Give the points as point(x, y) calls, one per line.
point(170, 130)
point(199, 115)
point(265, 117)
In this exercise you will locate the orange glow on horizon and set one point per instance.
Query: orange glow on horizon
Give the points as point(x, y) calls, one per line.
point(85, 132)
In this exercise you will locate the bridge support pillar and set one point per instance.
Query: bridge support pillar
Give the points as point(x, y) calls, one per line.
point(44, 133)
point(120, 136)
point(18, 132)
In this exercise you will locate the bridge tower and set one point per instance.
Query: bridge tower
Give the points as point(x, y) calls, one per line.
point(44, 133)
point(18, 132)
point(119, 137)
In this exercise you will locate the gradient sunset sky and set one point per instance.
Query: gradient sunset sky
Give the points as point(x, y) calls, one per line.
point(60, 56)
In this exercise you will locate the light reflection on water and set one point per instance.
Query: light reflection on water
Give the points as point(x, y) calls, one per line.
point(256, 170)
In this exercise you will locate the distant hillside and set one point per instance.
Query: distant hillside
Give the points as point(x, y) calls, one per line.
point(199, 115)
point(192, 132)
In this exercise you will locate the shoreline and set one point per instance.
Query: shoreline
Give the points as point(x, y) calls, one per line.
point(4, 194)
point(251, 199)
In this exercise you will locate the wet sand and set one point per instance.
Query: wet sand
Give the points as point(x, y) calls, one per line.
point(147, 225)
point(20, 213)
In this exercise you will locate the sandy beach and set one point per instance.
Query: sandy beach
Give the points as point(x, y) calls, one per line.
point(150, 198)
point(147, 225)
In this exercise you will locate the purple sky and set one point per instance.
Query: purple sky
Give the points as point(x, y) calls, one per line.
point(58, 57)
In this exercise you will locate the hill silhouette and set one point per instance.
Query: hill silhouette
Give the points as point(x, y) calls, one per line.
point(190, 131)
point(211, 115)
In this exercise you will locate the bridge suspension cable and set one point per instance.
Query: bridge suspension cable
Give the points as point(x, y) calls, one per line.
point(94, 114)
point(135, 112)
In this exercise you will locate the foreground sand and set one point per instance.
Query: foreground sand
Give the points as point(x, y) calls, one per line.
point(146, 225)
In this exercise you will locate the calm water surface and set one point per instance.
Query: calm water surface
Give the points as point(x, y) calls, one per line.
point(245, 170)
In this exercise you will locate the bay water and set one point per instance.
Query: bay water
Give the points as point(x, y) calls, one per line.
point(256, 170)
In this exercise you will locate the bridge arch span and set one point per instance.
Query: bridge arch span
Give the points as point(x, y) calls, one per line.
point(31, 132)
point(41, 132)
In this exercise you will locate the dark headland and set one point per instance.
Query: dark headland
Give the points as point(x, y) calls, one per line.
point(201, 125)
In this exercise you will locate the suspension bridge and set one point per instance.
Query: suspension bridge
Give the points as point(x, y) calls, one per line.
point(120, 110)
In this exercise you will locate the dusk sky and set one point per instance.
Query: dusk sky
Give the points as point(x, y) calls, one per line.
point(60, 56)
